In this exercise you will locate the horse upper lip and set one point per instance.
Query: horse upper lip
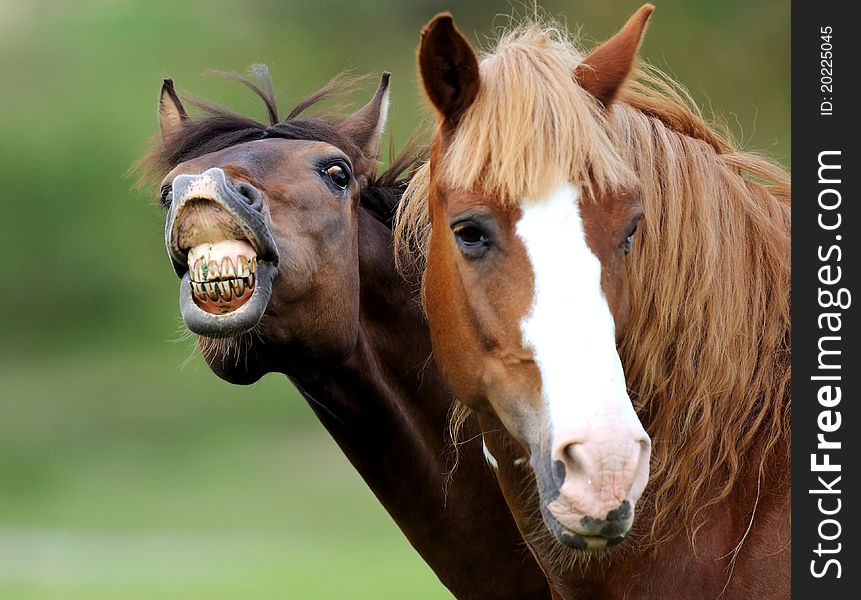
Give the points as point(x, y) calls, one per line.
point(213, 186)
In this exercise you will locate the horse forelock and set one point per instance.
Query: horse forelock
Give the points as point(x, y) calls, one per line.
point(706, 349)
point(530, 129)
point(531, 126)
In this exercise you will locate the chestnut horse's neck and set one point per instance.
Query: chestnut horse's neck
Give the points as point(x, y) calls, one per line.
point(387, 409)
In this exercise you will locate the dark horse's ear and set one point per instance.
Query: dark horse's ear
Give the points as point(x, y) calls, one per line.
point(449, 68)
point(365, 126)
point(606, 68)
point(171, 113)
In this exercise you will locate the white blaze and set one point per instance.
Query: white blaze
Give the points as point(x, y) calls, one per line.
point(570, 327)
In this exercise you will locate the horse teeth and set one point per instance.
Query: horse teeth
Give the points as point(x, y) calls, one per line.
point(213, 272)
point(254, 265)
point(226, 293)
point(251, 280)
point(227, 269)
point(211, 291)
point(238, 287)
point(242, 267)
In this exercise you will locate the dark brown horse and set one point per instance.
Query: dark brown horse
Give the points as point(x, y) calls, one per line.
point(281, 234)
point(553, 320)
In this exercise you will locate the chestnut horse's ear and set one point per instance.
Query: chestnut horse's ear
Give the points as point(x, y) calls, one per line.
point(606, 68)
point(171, 113)
point(449, 68)
point(365, 126)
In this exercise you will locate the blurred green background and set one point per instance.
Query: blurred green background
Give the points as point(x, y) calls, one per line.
point(128, 470)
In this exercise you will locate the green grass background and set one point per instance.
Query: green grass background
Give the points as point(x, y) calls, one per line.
point(123, 473)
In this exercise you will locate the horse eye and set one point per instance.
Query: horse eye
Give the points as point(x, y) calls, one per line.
point(472, 239)
point(165, 194)
point(626, 245)
point(629, 239)
point(338, 175)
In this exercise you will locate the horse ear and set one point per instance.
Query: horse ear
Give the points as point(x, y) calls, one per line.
point(365, 126)
point(171, 113)
point(449, 68)
point(606, 68)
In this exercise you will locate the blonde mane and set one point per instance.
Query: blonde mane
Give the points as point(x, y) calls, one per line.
point(706, 349)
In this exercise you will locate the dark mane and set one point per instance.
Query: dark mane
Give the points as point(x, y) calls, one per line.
point(220, 128)
point(383, 193)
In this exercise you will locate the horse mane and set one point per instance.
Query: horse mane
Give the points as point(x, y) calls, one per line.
point(219, 128)
point(706, 349)
point(382, 196)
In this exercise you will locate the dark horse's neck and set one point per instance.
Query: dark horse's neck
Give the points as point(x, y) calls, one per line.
point(387, 409)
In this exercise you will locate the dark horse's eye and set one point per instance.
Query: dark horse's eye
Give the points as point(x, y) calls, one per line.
point(165, 194)
point(472, 238)
point(338, 175)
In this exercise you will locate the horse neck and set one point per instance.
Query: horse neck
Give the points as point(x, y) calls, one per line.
point(387, 409)
point(382, 397)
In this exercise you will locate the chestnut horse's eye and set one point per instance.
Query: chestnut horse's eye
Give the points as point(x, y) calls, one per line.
point(472, 238)
point(629, 239)
point(338, 175)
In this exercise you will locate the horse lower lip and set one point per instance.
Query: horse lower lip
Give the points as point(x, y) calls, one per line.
point(590, 542)
point(595, 541)
point(230, 321)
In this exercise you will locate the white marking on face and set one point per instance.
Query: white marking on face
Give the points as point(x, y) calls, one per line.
point(569, 326)
point(490, 458)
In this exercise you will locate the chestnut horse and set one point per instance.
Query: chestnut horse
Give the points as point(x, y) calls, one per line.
point(281, 235)
point(553, 320)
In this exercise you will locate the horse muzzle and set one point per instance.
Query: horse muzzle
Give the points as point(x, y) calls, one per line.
point(219, 241)
point(591, 487)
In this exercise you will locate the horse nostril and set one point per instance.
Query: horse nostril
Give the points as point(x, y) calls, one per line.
point(251, 196)
point(570, 463)
point(558, 473)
